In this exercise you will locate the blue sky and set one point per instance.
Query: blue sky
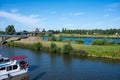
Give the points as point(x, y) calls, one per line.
point(58, 14)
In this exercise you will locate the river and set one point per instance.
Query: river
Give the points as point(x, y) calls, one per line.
point(50, 66)
point(87, 40)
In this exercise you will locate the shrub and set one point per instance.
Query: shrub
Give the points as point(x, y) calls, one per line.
point(103, 42)
point(60, 38)
point(53, 47)
point(79, 41)
point(67, 48)
point(37, 46)
point(8, 43)
point(118, 43)
point(58, 50)
point(13, 44)
point(52, 38)
point(99, 42)
point(45, 48)
point(111, 42)
point(41, 34)
point(50, 34)
point(81, 53)
point(16, 44)
point(69, 41)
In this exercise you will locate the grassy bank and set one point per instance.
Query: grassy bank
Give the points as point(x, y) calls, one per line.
point(107, 51)
point(87, 36)
point(0, 40)
point(112, 51)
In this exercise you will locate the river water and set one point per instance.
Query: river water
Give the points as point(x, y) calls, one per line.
point(87, 40)
point(50, 66)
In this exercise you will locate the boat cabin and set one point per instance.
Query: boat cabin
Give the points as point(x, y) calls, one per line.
point(12, 66)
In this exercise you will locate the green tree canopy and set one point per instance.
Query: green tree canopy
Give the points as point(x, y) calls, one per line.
point(10, 29)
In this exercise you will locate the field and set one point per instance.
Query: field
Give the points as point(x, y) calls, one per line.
point(87, 36)
point(109, 51)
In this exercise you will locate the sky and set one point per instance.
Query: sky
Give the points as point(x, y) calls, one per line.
point(57, 14)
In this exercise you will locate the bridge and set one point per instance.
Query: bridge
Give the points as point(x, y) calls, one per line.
point(5, 37)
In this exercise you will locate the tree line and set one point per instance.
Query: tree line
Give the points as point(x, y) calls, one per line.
point(8, 30)
point(91, 32)
point(11, 30)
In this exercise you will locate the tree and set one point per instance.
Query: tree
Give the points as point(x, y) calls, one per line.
point(10, 29)
point(43, 30)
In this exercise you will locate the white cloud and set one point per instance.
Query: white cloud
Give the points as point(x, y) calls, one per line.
point(77, 14)
point(113, 5)
point(14, 10)
point(31, 20)
point(34, 16)
point(109, 9)
point(106, 15)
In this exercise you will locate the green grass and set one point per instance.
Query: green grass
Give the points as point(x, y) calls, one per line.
point(109, 51)
point(89, 36)
point(93, 50)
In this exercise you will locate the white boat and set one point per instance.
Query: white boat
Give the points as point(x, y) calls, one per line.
point(13, 66)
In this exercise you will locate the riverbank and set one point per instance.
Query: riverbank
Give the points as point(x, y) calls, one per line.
point(106, 51)
point(87, 36)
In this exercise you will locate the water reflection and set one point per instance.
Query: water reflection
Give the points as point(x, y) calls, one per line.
point(38, 76)
point(51, 66)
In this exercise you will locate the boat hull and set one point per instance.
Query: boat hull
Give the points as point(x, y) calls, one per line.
point(19, 77)
point(10, 75)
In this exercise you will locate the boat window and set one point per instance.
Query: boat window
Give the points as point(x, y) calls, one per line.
point(2, 68)
point(15, 67)
point(1, 60)
point(9, 68)
point(6, 60)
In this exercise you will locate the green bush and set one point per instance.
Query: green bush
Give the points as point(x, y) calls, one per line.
point(52, 38)
point(45, 48)
point(60, 38)
point(37, 46)
point(13, 44)
point(50, 34)
point(97, 42)
point(69, 41)
point(79, 41)
point(59, 50)
point(111, 42)
point(103, 42)
point(118, 43)
point(53, 48)
point(67, 48)
point(8, 43)
point(81, 52)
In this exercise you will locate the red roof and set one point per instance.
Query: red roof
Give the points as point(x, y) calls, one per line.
point(18, 57)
